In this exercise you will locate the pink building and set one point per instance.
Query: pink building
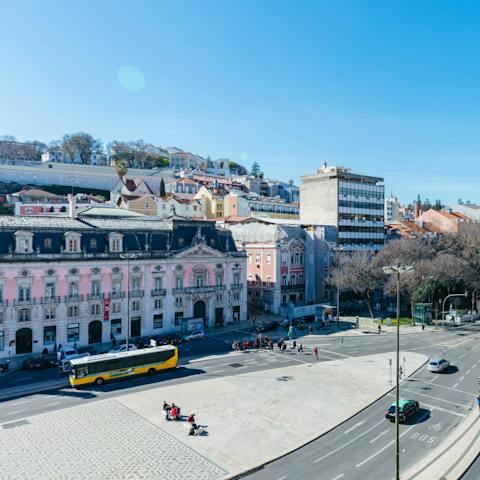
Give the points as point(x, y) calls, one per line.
point(70, 281)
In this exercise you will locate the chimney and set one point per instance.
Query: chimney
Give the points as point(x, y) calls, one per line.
point(72, 206)
point(417, 210)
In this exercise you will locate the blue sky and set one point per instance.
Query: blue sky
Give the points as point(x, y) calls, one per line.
point(386, 88)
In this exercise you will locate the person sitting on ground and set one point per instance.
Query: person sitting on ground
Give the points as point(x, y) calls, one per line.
point(173, 413)
point(191, 418)
point(166, 406)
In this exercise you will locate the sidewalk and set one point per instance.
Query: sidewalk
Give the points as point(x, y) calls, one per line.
point(454, 456)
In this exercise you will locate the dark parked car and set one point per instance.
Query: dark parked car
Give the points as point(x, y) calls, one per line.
point(407, 408)
point(267, 326)
point(87, 349)
point(38, 363)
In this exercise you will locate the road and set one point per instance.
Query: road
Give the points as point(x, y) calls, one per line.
point(362, 447)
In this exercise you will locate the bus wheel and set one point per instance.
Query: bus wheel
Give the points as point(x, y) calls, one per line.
point(152, 371)
point(99, 381)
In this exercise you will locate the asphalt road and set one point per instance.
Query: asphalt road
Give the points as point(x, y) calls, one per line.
point(362, 447)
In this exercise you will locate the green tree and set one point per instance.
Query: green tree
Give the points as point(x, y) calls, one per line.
point(255, 170)
point(162, 188)
point(121, 168)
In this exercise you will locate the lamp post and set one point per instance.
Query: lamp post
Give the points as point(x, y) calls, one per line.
point(337, 250)
point(128, 257)
point(473, 300)
point(397, 270)
point(445, 299)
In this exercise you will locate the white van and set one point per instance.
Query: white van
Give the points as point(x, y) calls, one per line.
point(68, 353)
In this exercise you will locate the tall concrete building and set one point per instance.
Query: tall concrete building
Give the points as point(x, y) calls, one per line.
point(351, 202)
point(392, 209)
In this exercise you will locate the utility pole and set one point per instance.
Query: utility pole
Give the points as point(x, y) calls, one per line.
point(445, 299)
point(397, 270)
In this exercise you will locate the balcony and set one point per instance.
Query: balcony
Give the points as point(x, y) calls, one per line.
point(158, 292)
point(237, 286)
point(177, 291)
point(260, 284)
point(116, 295)
point(49, 300)
point(294, 286)
point(30, 301)
point(74, 297)
point(220, 288)
point(200, 289)
point(95, 296)
point(136, 293)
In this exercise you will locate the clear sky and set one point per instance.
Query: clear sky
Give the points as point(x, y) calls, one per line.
point(386, 88)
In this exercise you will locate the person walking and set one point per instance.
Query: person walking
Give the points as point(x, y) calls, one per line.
point(379, 329)
point(315, 352)
point(294, 345)
point(310, 330)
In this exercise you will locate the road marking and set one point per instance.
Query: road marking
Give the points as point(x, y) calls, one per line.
point(283, 478)
point(461, 356)
point(461, 379)
point(51, 404)
point(467, 372)
point(352, 351)
point(20, 402)
point(378, 452)
point(338, 477)
point(455, 386)
point(217, 371)
point(474, 365)
point(336, 353)
point(13, 412)
point(437, 398)
point(440, 409)
point(442, 386)
point(355, 426)
point(349, 442)
point(379, 436)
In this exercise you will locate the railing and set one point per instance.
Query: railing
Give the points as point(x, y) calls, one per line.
point(294, 286)
point(237, 286)
point(76, 297)
point(136, 293)
point(260, 284)
point(176, 291)
point(52, 299)
point(30, 301)
point(220, 288)
point(201, 289)
point(157, 292)
point(114, 295)
point(95, 296)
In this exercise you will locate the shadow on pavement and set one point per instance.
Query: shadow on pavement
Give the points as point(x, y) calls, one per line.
point(421, 416)
point(451, 369)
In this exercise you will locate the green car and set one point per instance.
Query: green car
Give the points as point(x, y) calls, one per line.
point(407, 408)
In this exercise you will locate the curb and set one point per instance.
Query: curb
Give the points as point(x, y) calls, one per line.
point(264, 464)
point(30, 391)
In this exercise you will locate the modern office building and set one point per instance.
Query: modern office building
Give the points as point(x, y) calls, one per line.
point(351, 202)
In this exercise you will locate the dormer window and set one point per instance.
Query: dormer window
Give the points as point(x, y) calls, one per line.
point(23, 242)
point(72, 242)
point(115, 242)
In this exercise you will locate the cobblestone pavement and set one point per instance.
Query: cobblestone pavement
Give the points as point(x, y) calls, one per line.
point(102, 440)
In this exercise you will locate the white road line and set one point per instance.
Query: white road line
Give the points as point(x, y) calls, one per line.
point(21, 379)
point(282, 478)
point(20, 402)
point(437, 398)
point(262, 364)
point(355, 426)
point(335, 353)
point(13, 412)
point(338, 477)
point(467, 372)
point(51, 404)
point(441, 386)
point(474, 365)
point(440, 409)
point(379, 436)
point(217, 371)
point(349, 442)
point(461, 356)
point(352, 351)
point(461, 379)
point(455, 386)
point(378, 452)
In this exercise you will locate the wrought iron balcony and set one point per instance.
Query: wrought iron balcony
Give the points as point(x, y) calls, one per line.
point(294, 286)
point(24, 301)
point(237, 286)
point(50, 299)
point(177, 291)
point(75, 297)
point(201, 289)
point(158, 292)
point(95, 296)
point(136, 293)
point(114, 295)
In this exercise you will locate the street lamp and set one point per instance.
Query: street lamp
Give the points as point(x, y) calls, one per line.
point(338, 249)
point(128, 257)
point(397, 270)
point(445, 299)
point(473, 300)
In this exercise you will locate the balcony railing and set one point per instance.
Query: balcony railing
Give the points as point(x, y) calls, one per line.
point(220, 288)
point(176, 291)
point(158, 292)
point(294, 286)
point(95, 296)
point(30, 301)
point(136, 293)
point(260, 284)
point(237, 286)
point(51, 299)
point(201, 289)
point(75, 297)
point(114, 295)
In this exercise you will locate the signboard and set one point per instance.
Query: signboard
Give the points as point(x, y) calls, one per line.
point(106, 309)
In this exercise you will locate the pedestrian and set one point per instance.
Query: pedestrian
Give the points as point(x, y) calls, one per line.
point(423, 327)
point(379, 329)
point(310, 330)
point(294, 345)
point(400, 371)
point(300, 348)
point(315, 352)
point(478, 401)
point(284, 347)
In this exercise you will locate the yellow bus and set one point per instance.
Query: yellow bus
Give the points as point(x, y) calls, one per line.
point(98, 369)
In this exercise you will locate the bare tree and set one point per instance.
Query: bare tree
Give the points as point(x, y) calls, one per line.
point(81, 144)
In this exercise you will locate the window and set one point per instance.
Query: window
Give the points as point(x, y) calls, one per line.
point(135, 305)
point(49, 335)
point(23, 242)
point(300, 279)
point(178, 282)
point(136, 283)
point(73, 289)
point(116, 326)
point(28, 210)
point(219, 297)
point(24, 315)
point(158, 320)
point(199, 280)
point(178, 318)
point(116, 242)
point(95, 309)
point(257, 258)
point(1, 294)
point(72, 245)
point(284, 280)
point(1, 316)
point(236, 278)
point(50, 290)
point(24, 293)
point(157, 303)
point(116, 307)
point(2, 341)
point(49, 313)
point(236, 296)
point(178, 301)
point(269, 259)
point(95, 288)
point(219, 279)
point(72, 311)
point(293, 280)
point(158, 283)
point(93, 243)
point(73, 332)
point(116, 287)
